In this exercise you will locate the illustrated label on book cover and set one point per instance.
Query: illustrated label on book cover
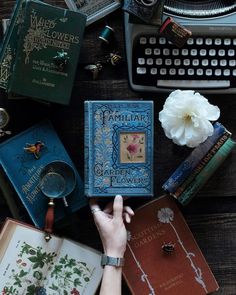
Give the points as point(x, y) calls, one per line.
point(162, 256)
point(23, 159)
point(118, 148)
point(48, 52)
point(30, 265)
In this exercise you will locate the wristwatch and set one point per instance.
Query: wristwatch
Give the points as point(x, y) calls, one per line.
point(114, 261)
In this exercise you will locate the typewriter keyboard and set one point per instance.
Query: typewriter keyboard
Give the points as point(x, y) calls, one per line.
point(202, 63)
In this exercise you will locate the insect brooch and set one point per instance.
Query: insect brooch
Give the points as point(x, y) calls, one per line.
point(168, 247)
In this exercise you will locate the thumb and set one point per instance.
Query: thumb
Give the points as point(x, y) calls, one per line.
point(118, 207)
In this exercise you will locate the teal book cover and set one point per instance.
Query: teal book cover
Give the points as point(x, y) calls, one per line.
point(47, 53)
point(118, 148)
point(198, 182)
point(23, 169)
point(9, 44)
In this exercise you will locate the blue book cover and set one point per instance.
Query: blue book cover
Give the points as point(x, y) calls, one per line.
point(118, 148)
point(23, 170)
point(188, 165)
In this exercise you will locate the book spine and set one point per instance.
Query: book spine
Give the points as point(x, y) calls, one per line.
point(187, 166)
point(202, 164)
point(207, 172)
point(86, 147)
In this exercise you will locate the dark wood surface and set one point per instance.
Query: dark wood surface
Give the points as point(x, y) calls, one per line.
point(211, 215)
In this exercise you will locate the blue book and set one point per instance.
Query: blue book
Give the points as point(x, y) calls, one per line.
point(118, 148)
point(23, 169)
point(188, 165)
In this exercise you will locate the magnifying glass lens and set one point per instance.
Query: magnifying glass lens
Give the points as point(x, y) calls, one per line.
point(53, 185)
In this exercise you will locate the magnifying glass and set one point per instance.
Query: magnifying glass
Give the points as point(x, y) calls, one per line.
point(57, 181)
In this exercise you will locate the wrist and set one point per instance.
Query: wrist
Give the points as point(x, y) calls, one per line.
point(107, 260)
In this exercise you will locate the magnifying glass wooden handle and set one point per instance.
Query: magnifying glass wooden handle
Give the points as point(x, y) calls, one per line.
point(49, 220)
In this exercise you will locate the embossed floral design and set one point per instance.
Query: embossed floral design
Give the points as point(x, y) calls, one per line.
point(166, 215)
point(144, 276)
point(186, 117)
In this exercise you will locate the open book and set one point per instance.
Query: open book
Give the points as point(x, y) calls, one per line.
point(30, 265)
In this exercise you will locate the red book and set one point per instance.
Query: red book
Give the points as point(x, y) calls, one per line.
point(162, 256)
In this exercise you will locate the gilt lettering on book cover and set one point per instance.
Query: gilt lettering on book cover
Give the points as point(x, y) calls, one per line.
point(162, 256)
point(24, 156)
point(118, 148)
point(48, 52)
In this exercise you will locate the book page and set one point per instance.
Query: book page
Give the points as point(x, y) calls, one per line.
point(76, 271)
point(25, 259)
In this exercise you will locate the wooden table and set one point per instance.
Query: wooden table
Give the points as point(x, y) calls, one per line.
point(211, 215)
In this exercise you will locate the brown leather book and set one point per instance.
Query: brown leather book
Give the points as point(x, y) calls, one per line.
point(162, 256)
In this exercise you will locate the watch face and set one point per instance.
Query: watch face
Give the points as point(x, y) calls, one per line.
point(4, 118)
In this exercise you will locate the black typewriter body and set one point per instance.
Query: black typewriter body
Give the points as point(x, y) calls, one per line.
point(207, 62)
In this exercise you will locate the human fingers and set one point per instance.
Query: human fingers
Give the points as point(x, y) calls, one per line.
point(128, 210)
point(94, 207)
point(118, 207)
point(126, 217)
point(108, 208)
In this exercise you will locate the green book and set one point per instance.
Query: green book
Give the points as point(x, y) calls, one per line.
point(206, 172)
point(9, 44)
point(47, 53)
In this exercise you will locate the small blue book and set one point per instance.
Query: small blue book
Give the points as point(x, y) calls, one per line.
point(118, 148)
point(23, 163)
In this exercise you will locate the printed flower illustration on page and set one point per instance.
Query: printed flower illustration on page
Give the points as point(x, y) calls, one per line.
point(38, 272)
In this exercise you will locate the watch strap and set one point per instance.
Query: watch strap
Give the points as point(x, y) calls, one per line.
point(114, 261)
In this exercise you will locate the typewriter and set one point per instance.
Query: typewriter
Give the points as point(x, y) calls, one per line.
point(207, 62)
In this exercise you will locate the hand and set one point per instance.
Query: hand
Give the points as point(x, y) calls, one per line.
point(110, 224)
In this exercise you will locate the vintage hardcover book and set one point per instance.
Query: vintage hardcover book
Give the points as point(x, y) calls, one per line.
point(94, 9)
point(30, 265)
point(47, 52)
point(210, 168)
point(23, 161)
point(162, 256)
point(9, 44)
point(118, 148)
point(189, 164)
point(202, 164)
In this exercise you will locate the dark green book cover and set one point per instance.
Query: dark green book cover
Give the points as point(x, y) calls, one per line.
point(48, 53)
point(9, 44)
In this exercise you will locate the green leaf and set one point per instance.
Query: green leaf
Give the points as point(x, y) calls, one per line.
point(22, 273)
point(77, 282)
point(33, 259)
point(77, 271)
point(31, 290)
point(38, 275)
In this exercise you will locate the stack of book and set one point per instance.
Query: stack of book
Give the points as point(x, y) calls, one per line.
point(43, 42)
point(200, 165)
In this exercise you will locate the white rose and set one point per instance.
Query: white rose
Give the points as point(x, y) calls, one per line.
point(186, 117)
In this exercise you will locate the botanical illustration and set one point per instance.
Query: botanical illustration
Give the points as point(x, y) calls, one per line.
point(37, 272)
point(132, 147)
point(166, 215)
